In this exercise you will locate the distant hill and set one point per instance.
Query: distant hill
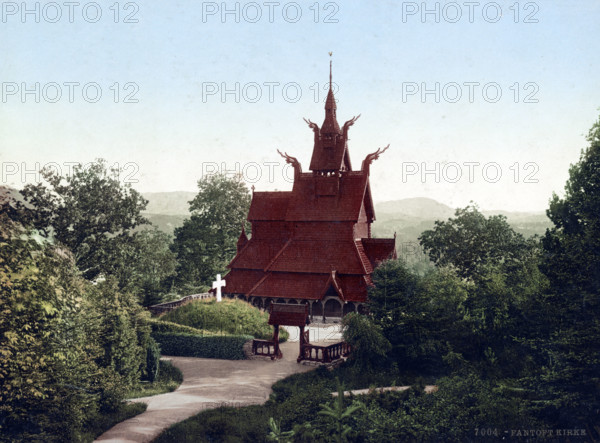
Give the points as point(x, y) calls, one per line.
point(423, 208)
point(411, 215)
point(407, 217)
point(169, 203)
point(167, 210)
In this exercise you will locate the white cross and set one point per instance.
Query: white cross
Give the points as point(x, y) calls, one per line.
point(218, 285)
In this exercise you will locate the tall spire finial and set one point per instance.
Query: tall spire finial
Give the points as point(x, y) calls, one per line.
point(330, 55)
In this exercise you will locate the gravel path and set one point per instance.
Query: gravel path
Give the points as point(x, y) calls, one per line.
point(207, 383)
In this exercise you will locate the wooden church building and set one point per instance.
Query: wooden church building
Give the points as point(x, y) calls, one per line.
point(313, 244)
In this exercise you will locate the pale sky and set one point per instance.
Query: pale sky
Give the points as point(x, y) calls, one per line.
point(463, 93)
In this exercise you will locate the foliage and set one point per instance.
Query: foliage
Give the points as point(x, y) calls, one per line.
point(150, 266)
point(169, 378)
point(570, 380)
point(369, 346)
point(152, 360)
point(338, 414)
point(223, 424)
point(103, 422)
point(123, 334)
point(471, 243)
point(207, 240)
point(230, 316)
point(440, 322)
point(160, 325)
point(293, 405)
point(229, 347)
point(457, 412)
point(277, 434)
point(90, 212)
point(61, 364)
point(47, 363)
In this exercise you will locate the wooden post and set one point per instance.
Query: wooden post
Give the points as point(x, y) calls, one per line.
point(301, 355)
point(277, 352)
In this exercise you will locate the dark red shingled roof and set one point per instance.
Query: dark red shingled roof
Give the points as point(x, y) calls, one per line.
point(379, 249)
point(241, 281)
point(291, 285)
point(257, 254)
point(303, 243)
point(269, 205)
point(320, 257)
point(288, 315)
point(307, 205)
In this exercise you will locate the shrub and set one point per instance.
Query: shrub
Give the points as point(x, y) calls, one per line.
point(169, 378)
point(230, 317)
point(229, 347)
point(168, 327)
point(152, 360)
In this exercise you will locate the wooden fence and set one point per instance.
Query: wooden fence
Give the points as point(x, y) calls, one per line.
point(163, 308)
point(324, 354)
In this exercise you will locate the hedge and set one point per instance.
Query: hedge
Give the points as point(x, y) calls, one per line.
point(228, 347)
point(170, 327)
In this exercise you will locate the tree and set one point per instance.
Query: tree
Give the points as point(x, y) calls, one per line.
point(572, 263)
point(67, 348)
point(207, 240)
point(394, 290)
point(90, 212)
point(422, 317)
point(145, 265)
point(369, 346)
point(52, 381)
point(470, 243)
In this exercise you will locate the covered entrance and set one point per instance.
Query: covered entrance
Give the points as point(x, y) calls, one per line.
point(282, 314)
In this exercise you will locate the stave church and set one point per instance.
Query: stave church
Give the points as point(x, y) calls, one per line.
point(313, 244)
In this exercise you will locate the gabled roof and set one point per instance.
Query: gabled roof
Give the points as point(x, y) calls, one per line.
point(269, 205)
point(295, 285)
point(309, 256)
point(288, 315)
point(291, 285)
point(257, 254)
point(379, 249)
point(307, 205)
point(241, 281)
point(330, 158)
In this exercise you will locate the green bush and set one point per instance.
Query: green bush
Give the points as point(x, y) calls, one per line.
point(169, 378)
point(229, 316)
point(158, 325)
point(152, 360)
point(228, 347)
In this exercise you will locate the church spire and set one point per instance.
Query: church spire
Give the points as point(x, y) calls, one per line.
point(330, 125)
point(330, 153)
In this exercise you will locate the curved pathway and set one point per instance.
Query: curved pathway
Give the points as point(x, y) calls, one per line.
point(207, 383)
